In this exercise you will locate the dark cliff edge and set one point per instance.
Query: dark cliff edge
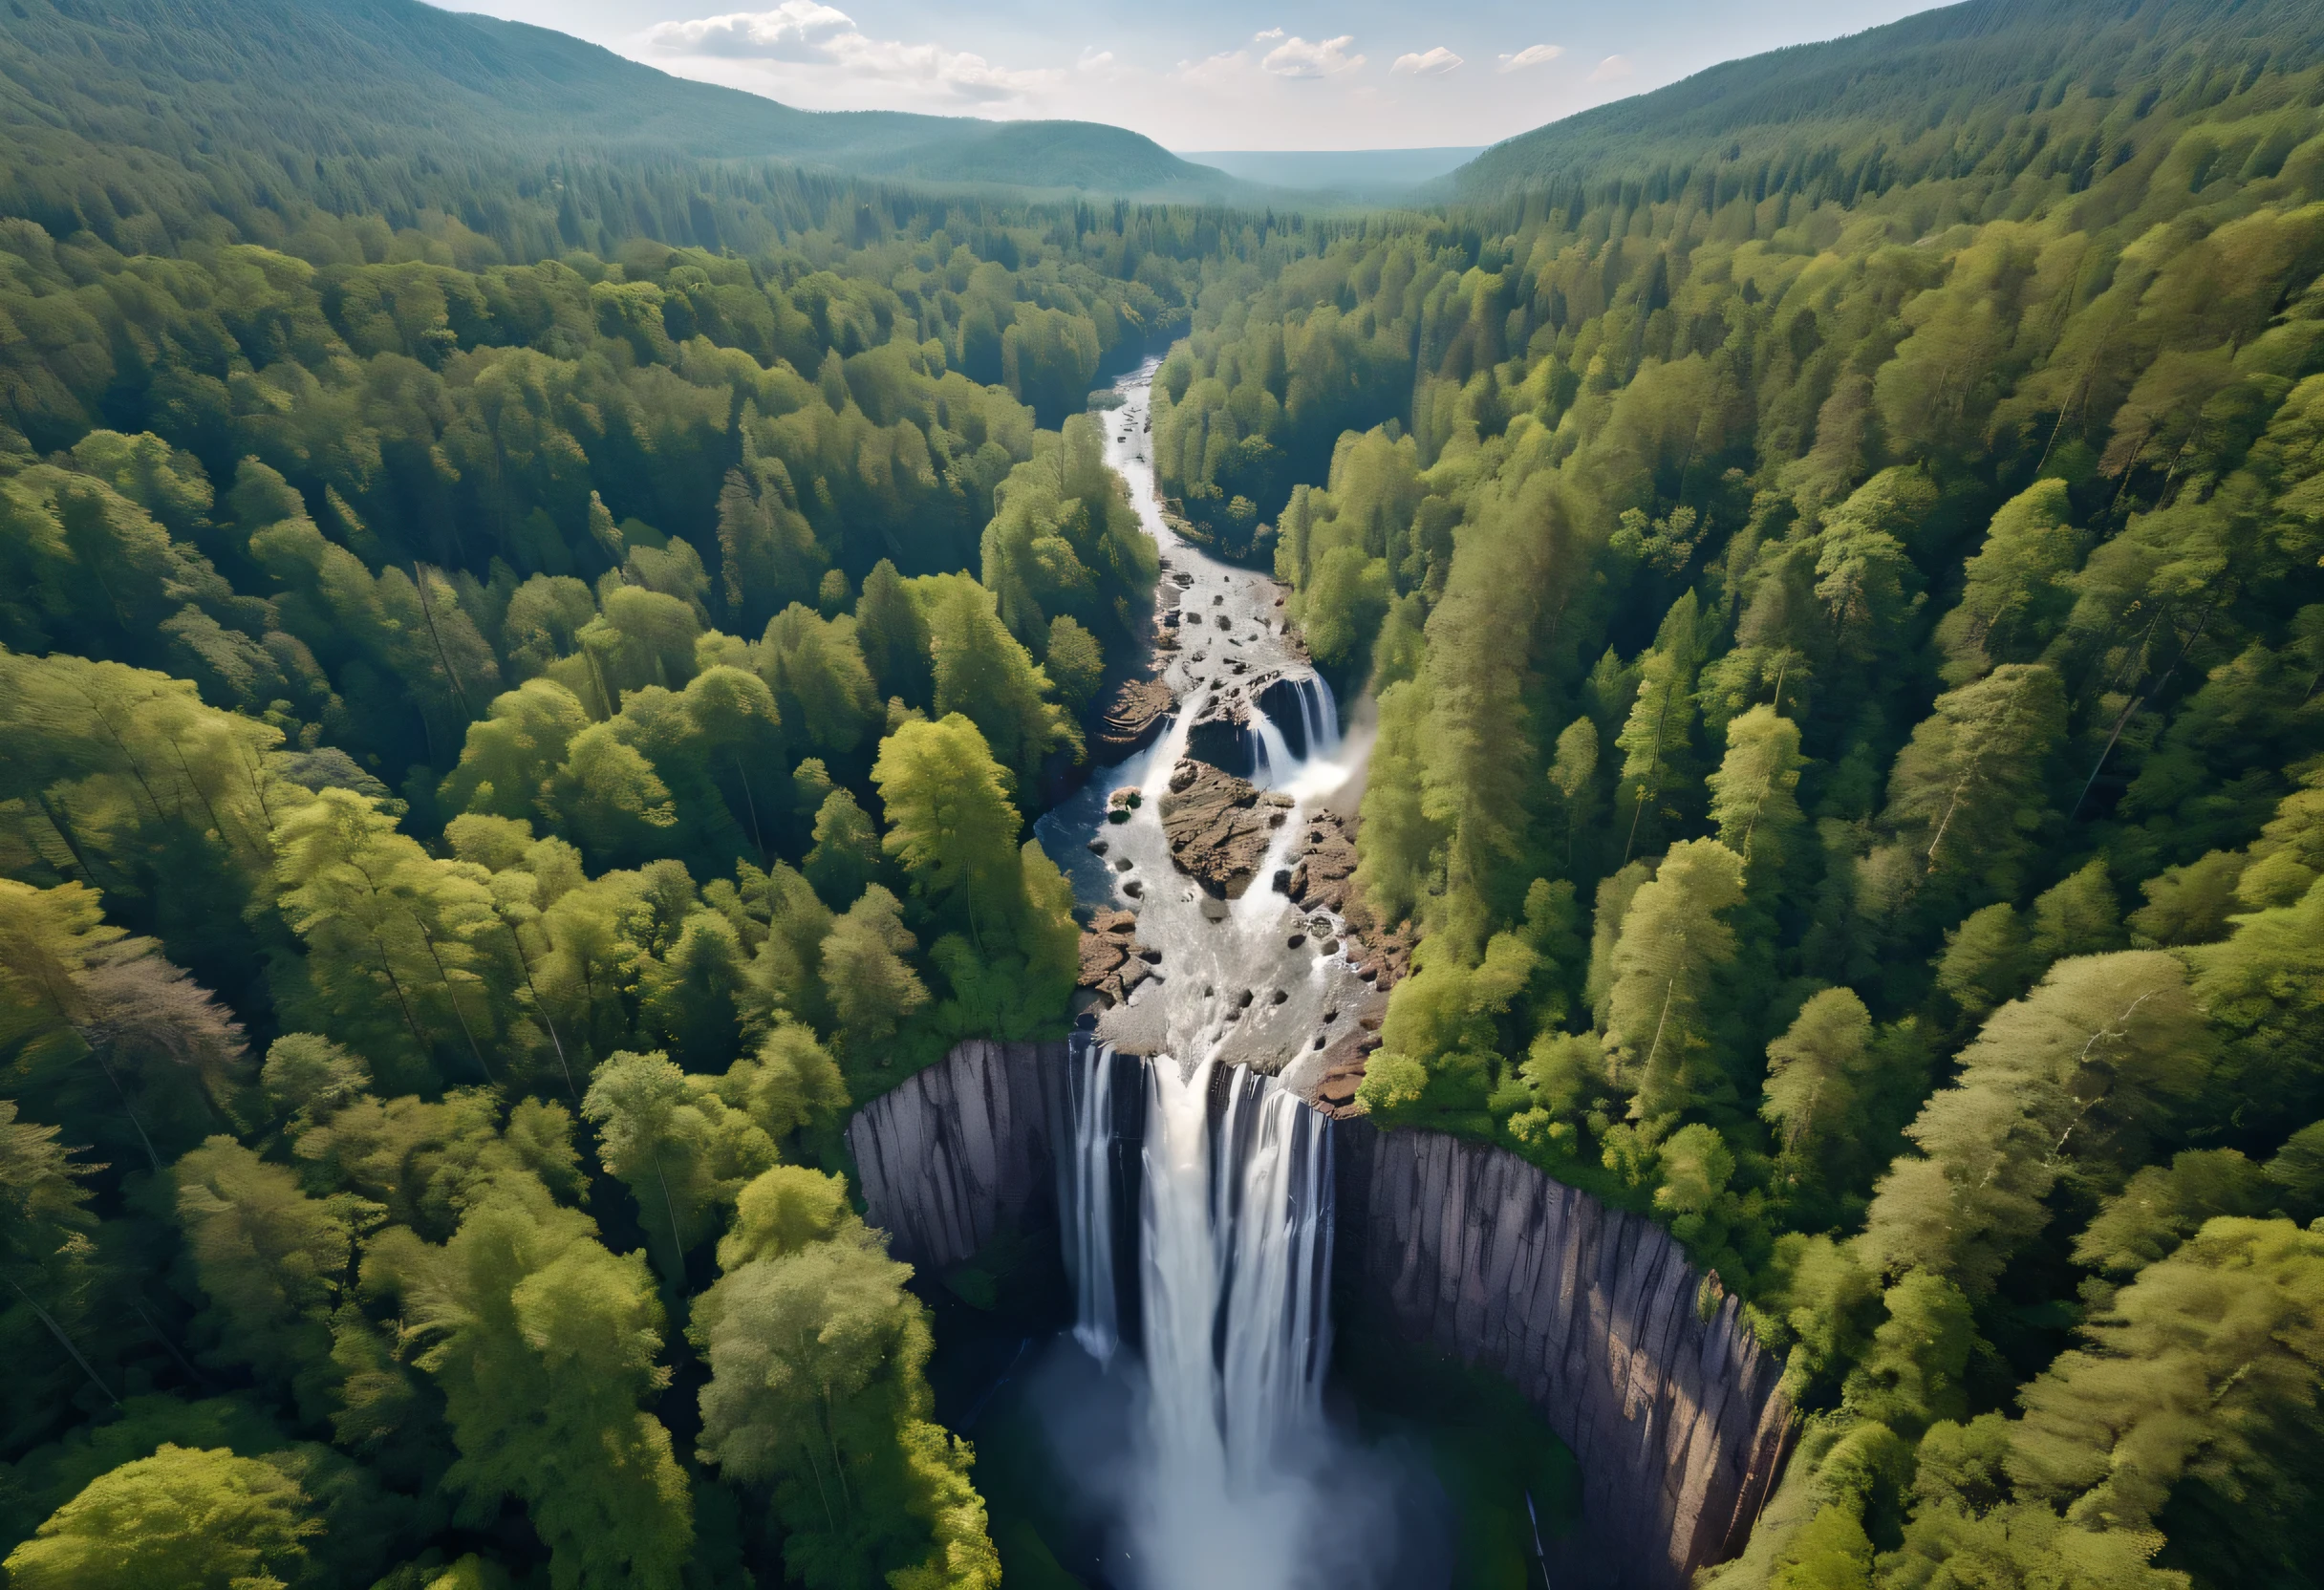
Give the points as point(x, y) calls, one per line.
point(1594, 1314)
point(955, 1152)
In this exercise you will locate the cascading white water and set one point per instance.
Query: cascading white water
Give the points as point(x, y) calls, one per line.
point(1320, 717)
point(1235, 1261)
point(1229, 1477)
point(1271, 1220)
point(1272, 761)
point(1087, 1198)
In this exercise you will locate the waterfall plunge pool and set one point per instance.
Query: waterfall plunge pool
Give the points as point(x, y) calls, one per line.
point(1405, 1469)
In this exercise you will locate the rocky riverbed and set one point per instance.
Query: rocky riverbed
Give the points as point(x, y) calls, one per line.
point(1219, 826)
point(1212, 858)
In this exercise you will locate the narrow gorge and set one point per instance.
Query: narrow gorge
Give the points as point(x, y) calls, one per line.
point(1217, 1201)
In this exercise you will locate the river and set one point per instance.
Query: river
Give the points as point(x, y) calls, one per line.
point(1232, 985)
point(1197, 1425)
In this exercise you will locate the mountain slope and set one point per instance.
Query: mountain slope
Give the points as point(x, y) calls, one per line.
point(1380, 174)
point(168, 109)
point(1984, 92)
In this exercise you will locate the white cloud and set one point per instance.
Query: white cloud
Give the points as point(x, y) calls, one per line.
point(1296, 57)
point(1611, 69)
point(1270, 34)
point(806, 32)
point(1533, 54)
point(1092, 58)
point(795, 31)
point(1435, 64)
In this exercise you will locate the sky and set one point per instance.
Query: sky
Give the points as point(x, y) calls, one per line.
point(1206, 74)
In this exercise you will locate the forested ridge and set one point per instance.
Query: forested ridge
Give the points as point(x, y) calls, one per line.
point(1994, 92)
point(147, 121)
point(1847, 668)
point(509, 733)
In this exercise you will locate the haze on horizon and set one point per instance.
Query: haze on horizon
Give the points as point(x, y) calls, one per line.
point(1207, 76)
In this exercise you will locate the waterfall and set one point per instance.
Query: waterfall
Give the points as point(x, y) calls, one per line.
point(1195, 1198)
point(1235, 1240)
point(1271, 760)
point(1321, 717)
point(1086, 1196)
point(1271, 1197)
point(1275, 762)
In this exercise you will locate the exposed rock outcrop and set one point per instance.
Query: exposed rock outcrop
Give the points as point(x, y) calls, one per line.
point(1219, 826)
point(1129, 718)
point(1343, 1058)
point(1113, 962)
point(1322, 875)
point(1222, 735)
point(955, 1151)
point(1645, 1369)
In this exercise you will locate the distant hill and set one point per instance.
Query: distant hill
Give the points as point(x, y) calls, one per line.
point(1360, 173)
point(1084, 155)
point(1984, 93)
point(125, 117)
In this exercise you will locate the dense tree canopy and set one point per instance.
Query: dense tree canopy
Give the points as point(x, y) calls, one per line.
point(522, 693)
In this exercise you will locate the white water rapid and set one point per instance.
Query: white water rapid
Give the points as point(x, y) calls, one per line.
point(1234, 1479)
point(1231, 985)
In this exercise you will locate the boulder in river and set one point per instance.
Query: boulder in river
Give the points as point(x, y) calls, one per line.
point(1219, 826)
point(1113, 962)
point(1129, 718)
point(1322, 878)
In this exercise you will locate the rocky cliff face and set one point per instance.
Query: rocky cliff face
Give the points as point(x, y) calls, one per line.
point(955, 1150)
point(1596, 1316)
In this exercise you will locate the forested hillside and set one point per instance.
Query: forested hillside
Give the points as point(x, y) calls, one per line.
point(521, 704)
point(2001, 96)
point(1849, 727)
point(151, 122)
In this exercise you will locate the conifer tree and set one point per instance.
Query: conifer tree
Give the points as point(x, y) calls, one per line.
point(274, 1263)
point(1574, 771)
point(1813, 1073)
point(1674, 941)
point(2018, 592)
point(1653, 741)
point(2192, 1390)
point(2071, 1081)
point(818, 1389)
point(847, 852)
point(871, 984)
point(892, 631)
point(1969, 793)
point(1752, 793)
point(684, 1151)
point(985, 677)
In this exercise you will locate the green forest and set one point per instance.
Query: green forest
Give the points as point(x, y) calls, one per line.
point(523, 704)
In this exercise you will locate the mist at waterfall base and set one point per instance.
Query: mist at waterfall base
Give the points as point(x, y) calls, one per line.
point(1198, 1439)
